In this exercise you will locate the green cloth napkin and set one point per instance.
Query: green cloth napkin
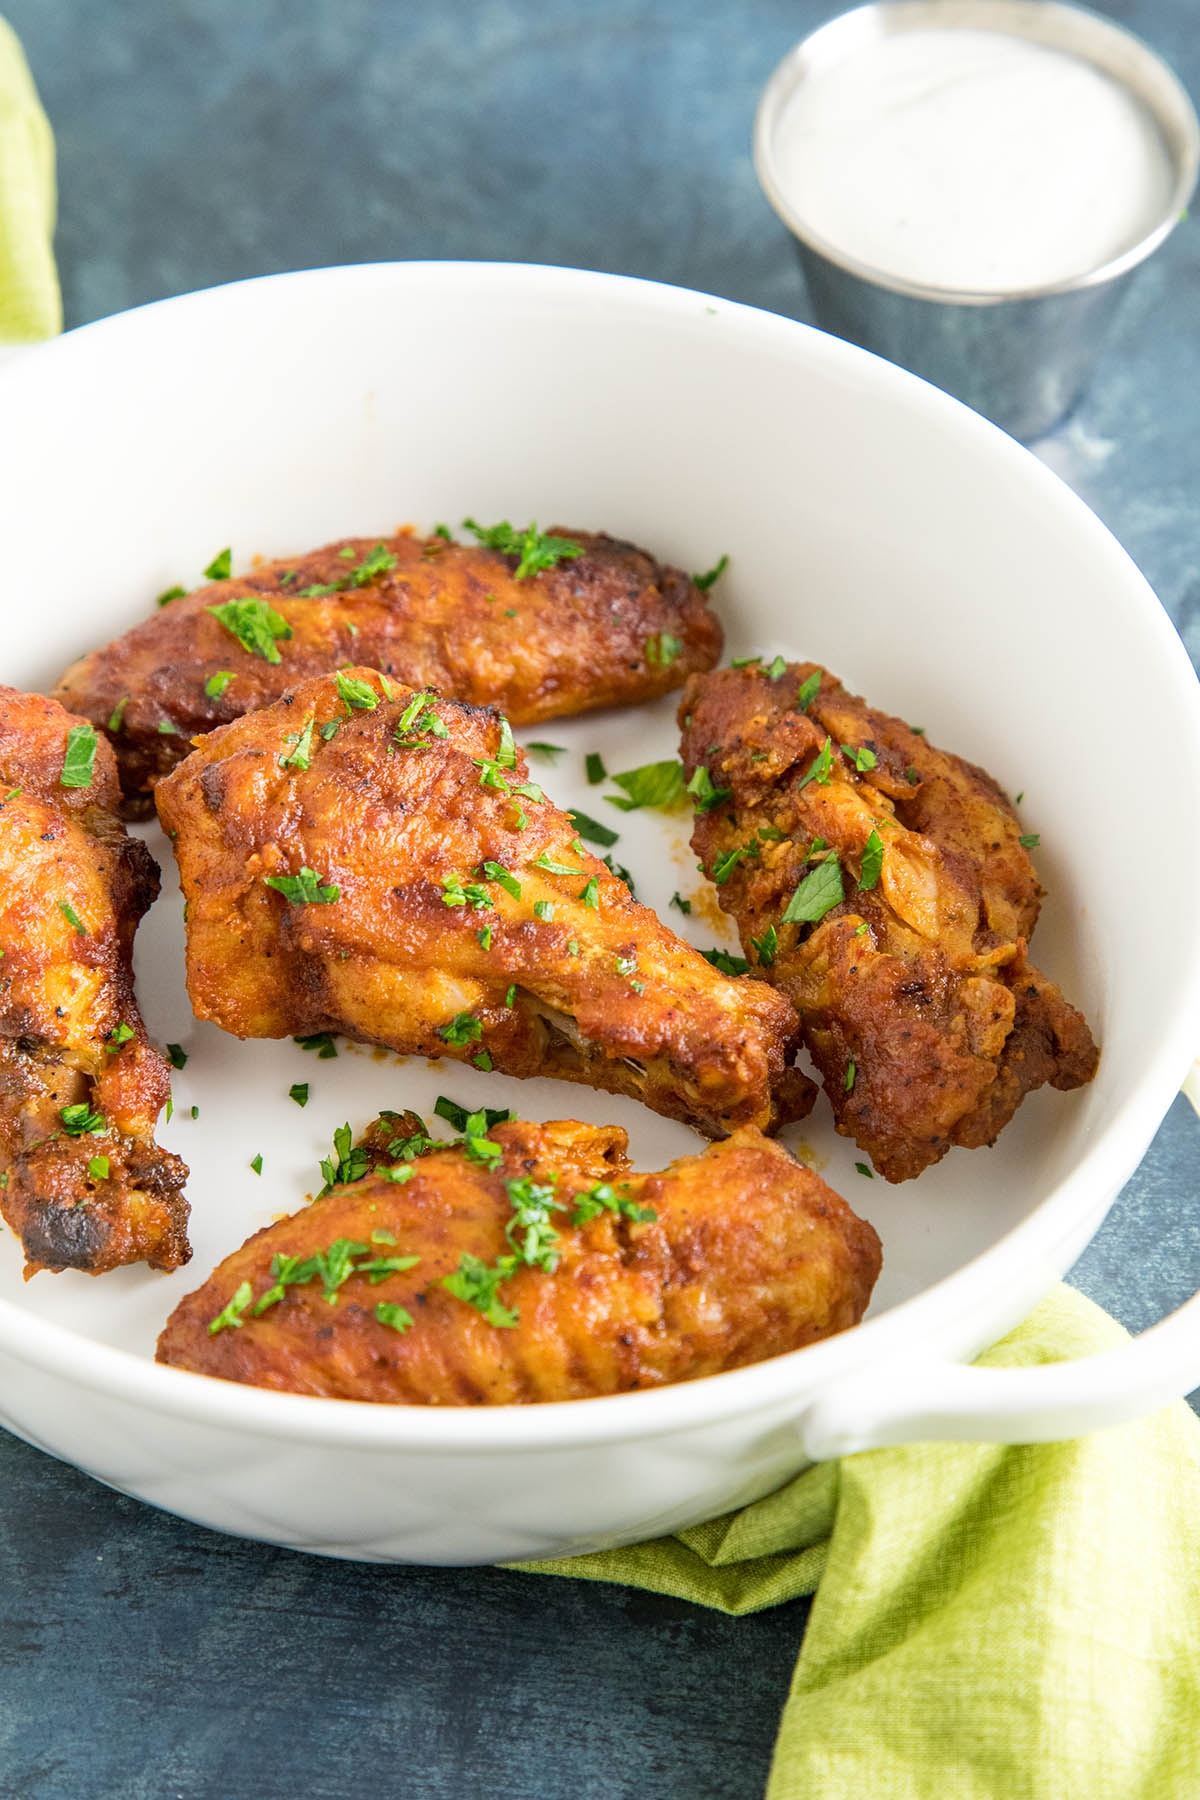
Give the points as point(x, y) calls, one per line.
point(990, 1622)
point(30, 306)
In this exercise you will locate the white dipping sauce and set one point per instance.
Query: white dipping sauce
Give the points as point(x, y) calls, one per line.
point(971, 160)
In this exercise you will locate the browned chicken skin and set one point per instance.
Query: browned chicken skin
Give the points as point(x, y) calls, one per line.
point(90, 1190)
point(450, 911)
point(600, 629)
point(919, 1006)
point(747, 1255)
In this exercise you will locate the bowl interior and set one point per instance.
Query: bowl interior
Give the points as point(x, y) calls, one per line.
point(871, 524)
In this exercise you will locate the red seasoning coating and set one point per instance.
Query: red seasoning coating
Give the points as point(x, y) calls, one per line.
point(362, 859)
point(722, 1259)
point(603, 628)
point(82, 1181)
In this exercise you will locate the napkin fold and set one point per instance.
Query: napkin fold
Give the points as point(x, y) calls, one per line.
point(990, 1622)
point(30, 305)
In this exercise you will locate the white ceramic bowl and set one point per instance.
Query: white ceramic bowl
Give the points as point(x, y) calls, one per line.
point(872, 524)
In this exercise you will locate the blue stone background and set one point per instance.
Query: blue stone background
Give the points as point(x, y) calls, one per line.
point(142, 1658)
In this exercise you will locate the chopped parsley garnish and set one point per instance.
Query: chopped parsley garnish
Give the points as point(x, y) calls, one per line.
point(72, 917)
point(330, 729)
point(320, 1041)
point(572, 946)
point(820, 768)
point(705, 581)
point(443, 531)
point(851, 1072)
point(744, 662)
point(604, 1198)
point(657, 784)
point(810, 687)
point(1029, 841)
point(529, 1231)
point(864, 1170)
point(510, 994)
point(254, 624)
point(547, 862)
point(704, 794)
point(358, 695)
point(548, 752)
point(80, 1121)
point(177, 1055)
point(817, 894)
point(456, 892)
point(301, 741)
point(419, 717)
point(221, 565)
point(727, 963)
point(592, 829)
point(464, 1028)
point(917, 730)
point(726, 863)
point(120, 1034)
point(395, 1316)
point(216, 684)
point(304, 889)
point(299, 1093)
point(778, 667)
point(543, 909)
point(862, 930)
point(590, 893)
point(169, 594)
point(231, 1315)
point(662, 649)
point(872, 862)
point(766, 946)
point(862, 758)
point(593, 763)
point(485, 937)
point(680, 904)
point(474, 1124)
point(117, 714)
point(256, 1163)
point(619, 870)
point(98, 1167)
point(348, 1163)
point(536, 550)
point(476, 1282)
point(79, 758)
point(911, 775)
point(378, 562)
point(494, 871)
point(168, 729)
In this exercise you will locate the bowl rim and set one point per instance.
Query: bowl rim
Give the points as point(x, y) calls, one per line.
point(945, 1313)
point(1113, 49)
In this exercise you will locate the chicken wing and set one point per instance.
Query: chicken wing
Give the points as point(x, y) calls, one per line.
point(82, 1182)
point(533, 1264)
point(364, 859)
point(885, 887)
point(598, 629)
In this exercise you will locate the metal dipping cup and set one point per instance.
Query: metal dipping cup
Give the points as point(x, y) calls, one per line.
point(1021, 358)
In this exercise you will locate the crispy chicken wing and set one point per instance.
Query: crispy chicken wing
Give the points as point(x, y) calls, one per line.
point(600, 629)
point(532, 1265)
point(363, 859)
point(883, 885)
point(83, 1185)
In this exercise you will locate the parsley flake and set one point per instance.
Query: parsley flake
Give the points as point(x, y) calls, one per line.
point(299, 1093)
point(320, 1041)
point(662, 650)
point(358, 695)
point(177, 1055)
point(705, 581)
point(864, 1170)
point(851, 1072)
point(590, 893)
point(536, 550)
point(726, 863)
point(301, 741)
point(1029, 841)
point(658, 784)
point(820, 768)
point(395, 1316)
point(304, 889)
point(592, 829)
point(593, 764)
point(220, 566)
point(79, 758)
point(72, 917)
point(98, 1167)
point(169, 594)
point(464, 1028)
point(680, 904)
point(548, 752)
point(817, 894)
point(475, 1282)
point(766, 946)
point(254, 624)
point(216, 684)
point(256, 1163)
point(494, 871)
point(602, 1198)
point(348, 1163)
point(117, 715)
point(862, 758)
point(810, 687)
point(547, 862)
point(727, 963)
point(231, 1314)
point(872, 862)
point(80, 1121)
point(705, 796)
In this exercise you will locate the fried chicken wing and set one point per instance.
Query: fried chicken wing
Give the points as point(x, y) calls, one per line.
point(362, 859)
point(84, 1185)
point(533, 1264)
point(883, 885)
point(599, 629)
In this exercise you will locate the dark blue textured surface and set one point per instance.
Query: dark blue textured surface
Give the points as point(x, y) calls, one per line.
point(202, 140)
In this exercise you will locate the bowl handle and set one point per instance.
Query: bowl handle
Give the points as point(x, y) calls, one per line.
point(921, 1399)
